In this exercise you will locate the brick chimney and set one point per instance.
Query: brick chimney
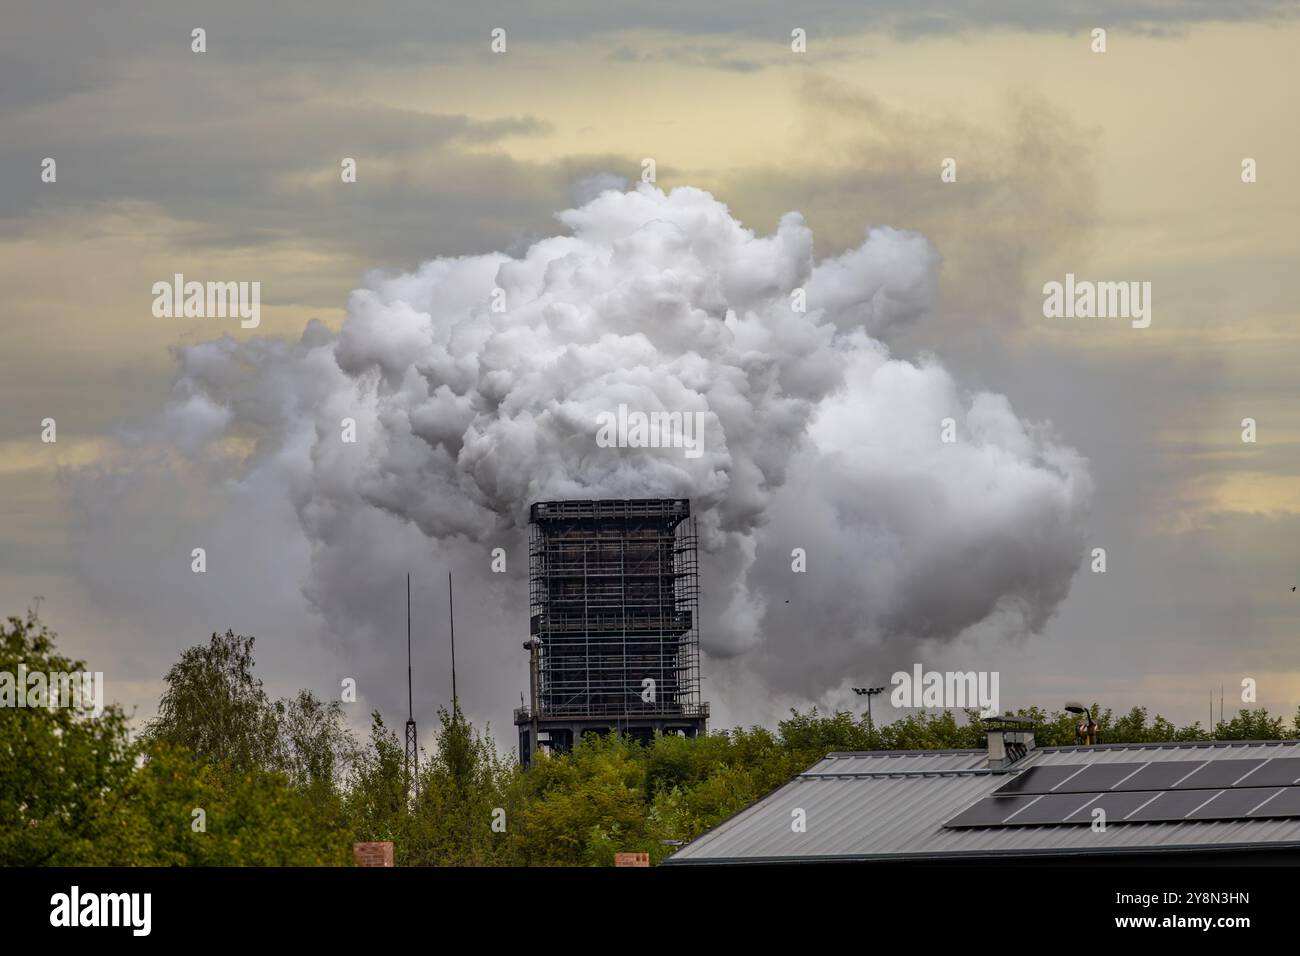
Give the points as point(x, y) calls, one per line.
point(373, 854)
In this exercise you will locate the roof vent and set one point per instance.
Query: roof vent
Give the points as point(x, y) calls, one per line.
point(1010, 740)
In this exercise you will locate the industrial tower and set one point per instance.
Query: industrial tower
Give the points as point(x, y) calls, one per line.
point(614, 608)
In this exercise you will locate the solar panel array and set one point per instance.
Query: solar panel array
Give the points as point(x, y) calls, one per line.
point(1153, 792)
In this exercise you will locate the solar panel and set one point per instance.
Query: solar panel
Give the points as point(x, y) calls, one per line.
point(1159, 775)
point(1285, 804)
point(1221, 773)
point(1217, 774)
point(990, 811)
point(1132, 806)
point(1096, 777)
point(1233, 804)
point(1117, 804)
point(1053, 808)
point(1278, 772)
point(1170, 805)
point(1038, 780)
point(1156, 775)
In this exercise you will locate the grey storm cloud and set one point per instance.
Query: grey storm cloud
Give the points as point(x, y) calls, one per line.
point(95, 41)
point(815, 438)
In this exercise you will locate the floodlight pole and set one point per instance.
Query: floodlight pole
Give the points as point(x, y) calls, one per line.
point(870, 692)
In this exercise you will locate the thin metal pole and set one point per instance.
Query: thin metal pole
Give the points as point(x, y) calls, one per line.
point(451, 613)
point(412, 759)
point(410, 707)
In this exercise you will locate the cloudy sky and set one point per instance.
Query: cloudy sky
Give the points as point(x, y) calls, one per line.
point(774, 170)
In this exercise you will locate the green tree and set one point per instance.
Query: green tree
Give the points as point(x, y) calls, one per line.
point(316, 749)
point(217, 709)
point(62, 773)
point(811, 733)
point(574, 808)
point(1252, 725)
point(182, 811)
point(376, 801)
point(75, 791)
point(463, 790)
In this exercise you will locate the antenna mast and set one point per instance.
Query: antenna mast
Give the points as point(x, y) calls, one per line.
point(451, 614)
point(412, 748)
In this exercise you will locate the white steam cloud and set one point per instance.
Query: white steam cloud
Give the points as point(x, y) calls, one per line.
point(814, 437)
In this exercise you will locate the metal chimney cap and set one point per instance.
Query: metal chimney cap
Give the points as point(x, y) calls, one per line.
point(1008, 719)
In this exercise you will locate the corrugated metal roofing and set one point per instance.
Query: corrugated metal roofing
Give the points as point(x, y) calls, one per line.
point(893, 806)
point(896, 761)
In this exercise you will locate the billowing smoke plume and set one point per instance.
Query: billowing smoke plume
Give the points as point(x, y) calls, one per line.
point(476, 384)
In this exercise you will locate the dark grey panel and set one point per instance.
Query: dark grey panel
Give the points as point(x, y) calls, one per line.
point(1279, 772)
point(990, 811)
point(1233, 804)
point(1118, 804)
point(1285, 804)
point(1160, 775)
point(1039, 779)
point(1053, 808)
point(1156, 775)
point(1170, 805)
point(1097, 777)
point(1217, 774)
point(1133, 806)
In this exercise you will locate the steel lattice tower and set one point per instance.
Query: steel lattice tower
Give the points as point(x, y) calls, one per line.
point(412, 762)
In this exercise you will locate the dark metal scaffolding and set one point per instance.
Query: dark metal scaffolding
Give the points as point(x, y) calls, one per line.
point(614, 609)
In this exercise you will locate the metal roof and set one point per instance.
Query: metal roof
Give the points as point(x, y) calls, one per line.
point(892, 806)
point(897, 761)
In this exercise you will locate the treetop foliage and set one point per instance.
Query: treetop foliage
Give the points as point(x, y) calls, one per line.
point(226, 776)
